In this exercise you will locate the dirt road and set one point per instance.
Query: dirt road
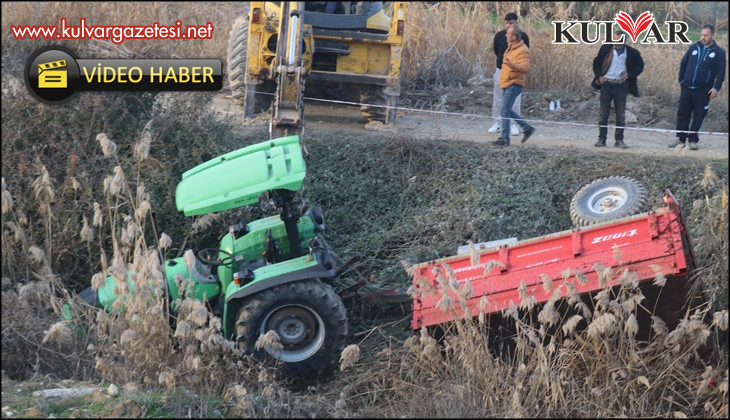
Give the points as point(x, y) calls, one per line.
point(324, 118)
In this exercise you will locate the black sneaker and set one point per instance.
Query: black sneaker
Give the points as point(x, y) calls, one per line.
point(620, 144)
point(527, 133)
point(693, 145)
point(501, 142)
point(600, 143)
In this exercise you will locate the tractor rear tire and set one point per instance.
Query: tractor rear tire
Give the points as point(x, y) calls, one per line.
point(376, 96)
point(309, 318)
point(608, 199)
point(255, 98)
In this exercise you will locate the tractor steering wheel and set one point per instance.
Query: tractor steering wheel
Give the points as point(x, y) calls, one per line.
point(209, 256)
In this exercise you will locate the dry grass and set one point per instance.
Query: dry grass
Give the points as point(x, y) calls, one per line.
point(141, 342)
point(710, 226)
point(598, 371)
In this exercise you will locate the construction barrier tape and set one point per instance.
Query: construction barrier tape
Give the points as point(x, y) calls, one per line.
point(655, 130)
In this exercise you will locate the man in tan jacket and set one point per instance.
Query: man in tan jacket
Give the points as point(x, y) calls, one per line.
point(515, 65)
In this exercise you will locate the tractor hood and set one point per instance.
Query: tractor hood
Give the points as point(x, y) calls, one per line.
point(237, 178)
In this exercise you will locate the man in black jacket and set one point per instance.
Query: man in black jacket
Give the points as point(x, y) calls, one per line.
point(701, 73)
point(616, 68)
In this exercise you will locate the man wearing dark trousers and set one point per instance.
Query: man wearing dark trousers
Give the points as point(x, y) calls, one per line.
point(701, 73)
point(616, 68)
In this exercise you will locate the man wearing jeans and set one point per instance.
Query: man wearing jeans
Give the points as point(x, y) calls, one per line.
point(515, 65)
point(616, 68)
point(500, 46)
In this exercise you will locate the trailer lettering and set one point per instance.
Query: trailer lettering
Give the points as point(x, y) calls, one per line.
point(628, 233)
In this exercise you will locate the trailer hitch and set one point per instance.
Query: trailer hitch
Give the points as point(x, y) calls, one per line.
point(352, 294)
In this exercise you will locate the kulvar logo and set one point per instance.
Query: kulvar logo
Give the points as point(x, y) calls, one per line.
point(634, 28)
point(590, 32)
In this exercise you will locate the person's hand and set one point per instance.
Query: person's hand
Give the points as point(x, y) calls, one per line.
point(601, 80)
point(713, 93)
point(624, 75)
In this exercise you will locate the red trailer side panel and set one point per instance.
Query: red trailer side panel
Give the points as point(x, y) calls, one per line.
point(635, 243)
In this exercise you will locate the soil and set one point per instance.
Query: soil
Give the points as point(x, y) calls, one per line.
point(555, 129)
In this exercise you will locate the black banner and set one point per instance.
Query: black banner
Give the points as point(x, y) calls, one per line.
point(53, 74)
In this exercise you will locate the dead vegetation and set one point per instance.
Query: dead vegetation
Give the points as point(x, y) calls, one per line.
point(595, 371)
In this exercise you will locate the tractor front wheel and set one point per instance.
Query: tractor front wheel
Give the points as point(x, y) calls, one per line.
point(309, 318)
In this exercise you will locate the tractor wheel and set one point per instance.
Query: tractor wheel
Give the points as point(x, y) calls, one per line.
point(308, 317)
point(373, 95)
point(252, 97)
point(608, 199)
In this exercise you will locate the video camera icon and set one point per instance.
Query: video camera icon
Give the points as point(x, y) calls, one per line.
point(52, 75)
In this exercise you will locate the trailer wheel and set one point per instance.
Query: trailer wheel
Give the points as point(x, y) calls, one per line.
point(608, 199)
point(309, 318)
point(252, 97)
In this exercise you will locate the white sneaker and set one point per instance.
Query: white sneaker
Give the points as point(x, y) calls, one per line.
point(496, 128)
point(514, 131)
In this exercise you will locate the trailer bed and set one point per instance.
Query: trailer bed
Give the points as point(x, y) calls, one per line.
point(645, 243)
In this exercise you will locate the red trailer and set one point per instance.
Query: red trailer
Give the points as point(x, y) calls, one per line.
point(646, 243)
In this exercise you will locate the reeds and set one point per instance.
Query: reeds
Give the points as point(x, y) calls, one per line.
point(556, 367)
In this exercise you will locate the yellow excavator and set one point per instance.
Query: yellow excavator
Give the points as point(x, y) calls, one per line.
point(354, 46)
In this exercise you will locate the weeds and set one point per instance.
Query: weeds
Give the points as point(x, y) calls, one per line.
point(599, 370)
point(709, 221)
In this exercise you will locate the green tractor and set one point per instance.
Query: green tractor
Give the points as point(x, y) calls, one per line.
point(275, 273)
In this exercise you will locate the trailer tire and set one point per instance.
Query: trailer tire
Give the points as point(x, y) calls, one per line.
point(309, 318)
point(608, 199)
point(253, 99)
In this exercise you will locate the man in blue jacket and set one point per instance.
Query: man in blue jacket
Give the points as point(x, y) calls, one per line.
point(701, 74)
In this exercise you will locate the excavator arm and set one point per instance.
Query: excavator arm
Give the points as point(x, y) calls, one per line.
point(287, 111)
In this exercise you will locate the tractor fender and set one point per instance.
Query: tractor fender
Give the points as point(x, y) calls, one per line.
point(236, 299)
point(316, 271)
